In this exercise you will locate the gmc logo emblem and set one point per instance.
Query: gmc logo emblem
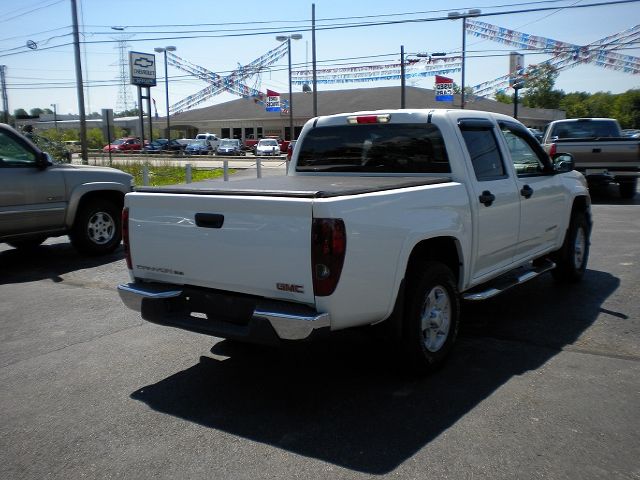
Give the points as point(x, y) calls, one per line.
point(287, 287)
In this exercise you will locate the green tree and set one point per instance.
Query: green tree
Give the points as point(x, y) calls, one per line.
point(36, 112)
point(626, 108)
point(95, 138)
point(504, 98)
point(20, 113)
point(539, 83)
point(574, 105)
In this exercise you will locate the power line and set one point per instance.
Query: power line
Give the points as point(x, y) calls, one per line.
point(6, 19)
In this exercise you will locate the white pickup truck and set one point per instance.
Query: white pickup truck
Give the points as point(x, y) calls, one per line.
point(383, 216)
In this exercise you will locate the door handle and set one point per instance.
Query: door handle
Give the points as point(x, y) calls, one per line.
point(487, 198)
point(209, 220)
point(526, 191)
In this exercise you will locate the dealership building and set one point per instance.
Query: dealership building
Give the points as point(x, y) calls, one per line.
point(247, 118)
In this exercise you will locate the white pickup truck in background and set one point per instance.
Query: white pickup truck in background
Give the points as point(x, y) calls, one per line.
point(383, 216)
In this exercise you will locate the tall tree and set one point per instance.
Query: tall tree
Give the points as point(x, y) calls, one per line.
point(539, 83)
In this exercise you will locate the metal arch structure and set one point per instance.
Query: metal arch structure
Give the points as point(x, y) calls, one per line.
point(565, 55)
point(233, 83)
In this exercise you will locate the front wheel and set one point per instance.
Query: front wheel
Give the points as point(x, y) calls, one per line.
point(571, 259)
point(97, 228)
point(432, 316)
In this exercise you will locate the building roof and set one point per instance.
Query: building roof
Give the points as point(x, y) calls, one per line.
point(339, 101)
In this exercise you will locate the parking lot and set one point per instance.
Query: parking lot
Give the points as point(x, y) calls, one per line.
point(544, 383)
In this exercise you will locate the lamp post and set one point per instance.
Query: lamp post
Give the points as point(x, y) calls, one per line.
point(55, 116)
point(288, 38)
point(464, 15)
point(166, 82)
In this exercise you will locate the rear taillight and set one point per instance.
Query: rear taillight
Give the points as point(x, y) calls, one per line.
point(328, 247)
point(125, 236)
point(553, 149)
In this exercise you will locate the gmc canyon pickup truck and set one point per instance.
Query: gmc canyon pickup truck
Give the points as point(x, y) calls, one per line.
point(389, 216)
point(599, 149)
point(40, 198)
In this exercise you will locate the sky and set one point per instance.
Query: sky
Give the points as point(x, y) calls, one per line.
point(220, 36)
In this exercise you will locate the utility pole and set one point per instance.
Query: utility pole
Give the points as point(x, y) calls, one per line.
point(79, 83)
point(5, 100)
point(313, 59)
point(403, 82)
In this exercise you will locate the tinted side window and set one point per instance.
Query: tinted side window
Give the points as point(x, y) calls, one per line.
point(14, 153)
point(376, 148)
point(484, 152)
point(527, 156)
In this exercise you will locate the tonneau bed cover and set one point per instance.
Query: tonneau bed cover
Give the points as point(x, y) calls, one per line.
point(298, 186)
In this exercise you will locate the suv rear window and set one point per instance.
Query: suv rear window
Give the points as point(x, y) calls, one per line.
point(375, 148)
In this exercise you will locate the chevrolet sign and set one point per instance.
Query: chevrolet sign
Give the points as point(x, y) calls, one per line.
point(142, 69)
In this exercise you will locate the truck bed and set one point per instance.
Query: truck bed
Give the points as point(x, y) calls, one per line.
point(298, 186)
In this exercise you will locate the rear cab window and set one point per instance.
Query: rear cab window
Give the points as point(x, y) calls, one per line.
point(403, 148)
point(483, 148)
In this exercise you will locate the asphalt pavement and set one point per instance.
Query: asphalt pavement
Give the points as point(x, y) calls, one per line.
point(543, 383)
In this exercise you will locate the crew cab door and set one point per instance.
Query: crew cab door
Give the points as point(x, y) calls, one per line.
point(542, 198)
point(32, 199)
point(496, 201)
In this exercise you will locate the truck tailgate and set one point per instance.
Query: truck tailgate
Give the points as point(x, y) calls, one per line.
point(257, 245)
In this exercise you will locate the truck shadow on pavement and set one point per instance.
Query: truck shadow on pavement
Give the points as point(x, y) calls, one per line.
point(48, 261)
point(349, 402)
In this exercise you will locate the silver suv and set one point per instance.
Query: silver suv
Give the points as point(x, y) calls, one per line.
point(41, 199)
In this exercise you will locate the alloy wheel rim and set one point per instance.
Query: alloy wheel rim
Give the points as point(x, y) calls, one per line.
point(436, 318)
point(579, 247)
point(101, 228)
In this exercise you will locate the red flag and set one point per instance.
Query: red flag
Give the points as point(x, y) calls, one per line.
point(271, 93)
point(440, 79)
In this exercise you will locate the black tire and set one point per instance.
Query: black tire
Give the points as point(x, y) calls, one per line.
point(97, 228)
point(571, 259)
point(27, 243)
point(628, 188)
point(432, 295)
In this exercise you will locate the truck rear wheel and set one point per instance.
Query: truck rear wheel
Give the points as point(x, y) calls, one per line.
point(97, 228)
point(432, 316)
point(571, 259)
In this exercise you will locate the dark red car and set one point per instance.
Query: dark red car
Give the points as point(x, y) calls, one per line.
point(127, 144)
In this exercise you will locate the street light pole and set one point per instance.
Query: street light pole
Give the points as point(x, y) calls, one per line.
point(464, 15)
point(288, 38)
point(166, 83)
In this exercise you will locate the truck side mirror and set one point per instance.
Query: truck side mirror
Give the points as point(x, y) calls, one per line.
point(563, 162)
point(44, 160)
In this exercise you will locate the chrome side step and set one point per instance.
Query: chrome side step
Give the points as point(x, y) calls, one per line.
point(508, 280)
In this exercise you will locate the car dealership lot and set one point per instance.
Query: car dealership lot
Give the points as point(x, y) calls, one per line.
point(545, 383)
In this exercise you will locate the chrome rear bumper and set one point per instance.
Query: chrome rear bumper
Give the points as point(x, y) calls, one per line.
point(171, 306)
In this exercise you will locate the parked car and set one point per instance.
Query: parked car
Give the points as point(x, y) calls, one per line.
point(631, 132)
point(198, 147)
point(127, 144)
point(392, 216)
point(163, 144)
point(211, 138)
point(42, 198)
point(268, 146)
point(537, 133)
point(74, 146)
point(229, 146)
